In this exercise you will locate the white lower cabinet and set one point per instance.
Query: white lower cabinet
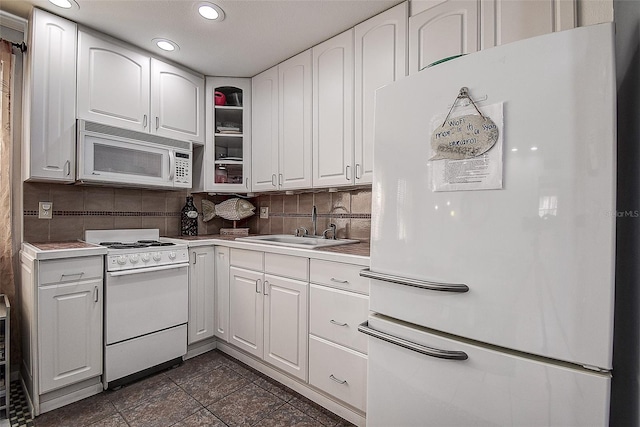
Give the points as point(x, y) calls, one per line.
point(221, 297)
point(201, 294)
point(338, 371)
point(268, 313)
point(70, 333)
point(337, 351)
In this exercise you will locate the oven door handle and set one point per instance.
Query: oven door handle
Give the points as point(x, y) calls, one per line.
point(147, 270)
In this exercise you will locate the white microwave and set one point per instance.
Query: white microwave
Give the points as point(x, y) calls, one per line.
point(107, 154)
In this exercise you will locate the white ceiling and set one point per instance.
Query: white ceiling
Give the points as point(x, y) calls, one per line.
point(255, 35)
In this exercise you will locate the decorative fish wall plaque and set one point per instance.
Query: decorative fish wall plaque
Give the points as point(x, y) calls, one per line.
point(232, 209)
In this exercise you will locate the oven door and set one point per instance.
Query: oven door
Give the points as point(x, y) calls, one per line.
point(107, 158)
point(145, 300)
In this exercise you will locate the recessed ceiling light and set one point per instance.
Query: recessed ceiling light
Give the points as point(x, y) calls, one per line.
point(166, 45)
point(65, 4)
point(211, 11)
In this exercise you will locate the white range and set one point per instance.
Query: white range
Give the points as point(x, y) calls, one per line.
point(146, 302)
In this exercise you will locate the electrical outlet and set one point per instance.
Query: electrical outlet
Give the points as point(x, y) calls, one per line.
point(45, 210)
point(264, 212)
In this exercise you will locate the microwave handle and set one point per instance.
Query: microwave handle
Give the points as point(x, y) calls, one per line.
point(172, 165)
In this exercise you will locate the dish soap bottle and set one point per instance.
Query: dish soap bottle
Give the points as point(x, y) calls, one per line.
point(189, 218)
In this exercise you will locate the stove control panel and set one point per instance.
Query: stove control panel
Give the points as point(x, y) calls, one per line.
point(148, 257)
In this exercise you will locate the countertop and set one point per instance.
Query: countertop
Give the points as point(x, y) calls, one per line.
point(56, 250)
point(356, 253)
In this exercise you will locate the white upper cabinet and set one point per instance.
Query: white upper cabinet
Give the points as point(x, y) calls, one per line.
point(113, 83)
point(333, 111)
point(282, 125)
point(50, 137)
point(504, 21)
point(294, 142)
point(122, 87)
point(176, 102)
point(264, 146)
point(450, 28)
point(380, 59)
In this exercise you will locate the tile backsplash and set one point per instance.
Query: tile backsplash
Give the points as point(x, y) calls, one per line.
point(79, 208)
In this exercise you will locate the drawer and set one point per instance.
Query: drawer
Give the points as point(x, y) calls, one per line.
point(339, 275)
point(252, 260)
point(335, 314)
point(294, 267)
point(338, 371)
point(70, 269)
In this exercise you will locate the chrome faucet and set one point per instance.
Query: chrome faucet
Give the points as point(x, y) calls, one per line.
point(314, 219)
point(332, 229)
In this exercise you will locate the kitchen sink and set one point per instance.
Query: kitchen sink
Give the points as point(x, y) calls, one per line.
point(296, 242)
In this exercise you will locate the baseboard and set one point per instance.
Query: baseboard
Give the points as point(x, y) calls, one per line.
point(27, 396)
point(200, 347)
point(304, 389)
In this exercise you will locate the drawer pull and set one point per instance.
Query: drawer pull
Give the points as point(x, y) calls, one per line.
point(333, 279)
point(337, 380)
point(258, 286)
point(418, 348)
point(338, 323)
point(71, 274)
point(422, 284)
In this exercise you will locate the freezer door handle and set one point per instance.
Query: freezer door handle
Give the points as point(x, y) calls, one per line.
point(422, 284)
point(422, 349)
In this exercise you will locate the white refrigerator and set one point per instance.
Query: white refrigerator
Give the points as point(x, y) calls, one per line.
point(495, 306)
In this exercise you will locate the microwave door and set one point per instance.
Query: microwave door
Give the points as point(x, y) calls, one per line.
point(125, 162)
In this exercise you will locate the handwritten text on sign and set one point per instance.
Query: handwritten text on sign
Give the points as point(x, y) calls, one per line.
point(464, 137)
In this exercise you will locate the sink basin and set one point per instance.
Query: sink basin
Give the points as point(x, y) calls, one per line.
point(296, 242)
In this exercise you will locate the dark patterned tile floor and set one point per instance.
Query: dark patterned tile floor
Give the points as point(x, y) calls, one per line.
point(209, 390)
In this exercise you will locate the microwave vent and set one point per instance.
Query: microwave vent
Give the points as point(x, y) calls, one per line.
point(99, 128)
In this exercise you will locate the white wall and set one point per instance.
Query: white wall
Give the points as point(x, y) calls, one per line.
point(626, 350)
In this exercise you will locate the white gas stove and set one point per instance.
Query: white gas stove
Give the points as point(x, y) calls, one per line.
point(146, 302)
point(137, 248)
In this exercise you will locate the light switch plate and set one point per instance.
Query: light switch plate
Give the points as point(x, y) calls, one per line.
point(264, 212)
point(45, 210)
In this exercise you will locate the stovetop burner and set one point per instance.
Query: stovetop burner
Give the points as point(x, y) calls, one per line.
point(135, 245)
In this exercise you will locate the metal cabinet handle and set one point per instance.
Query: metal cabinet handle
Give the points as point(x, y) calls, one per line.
point(418, 348)
point(337, 380)
point(279, 179)
point(62, 276)
point(258, 286)
point(333, 279)
point(265, 286)
point(346, 173)
point(157, 122)
point(195, 258)
point(422, 284)
point(95, 294)
point(67, 167)
point(338, 323)
point(144, 121)
point(246, 183)
point(273, 180)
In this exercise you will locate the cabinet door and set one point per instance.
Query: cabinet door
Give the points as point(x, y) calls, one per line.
point(51, 144)
point(265, 130)
point(245, 310)
point(508, 21)
point(333, 111)
point(221, 297)
point(201, 294)
point(113, 83)
point(448, 29)
point(177, 103)
point(295, 122)
point(381, 58)
point(69, 333)
point(285, 324)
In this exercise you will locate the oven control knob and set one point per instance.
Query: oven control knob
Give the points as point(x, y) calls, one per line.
point(172, 255)
point(134, 258)
point(122, 260)
point(157, 256)
point(145, 257)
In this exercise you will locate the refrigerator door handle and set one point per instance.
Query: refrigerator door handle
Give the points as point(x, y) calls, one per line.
point(418, 348)
point(432, 286)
